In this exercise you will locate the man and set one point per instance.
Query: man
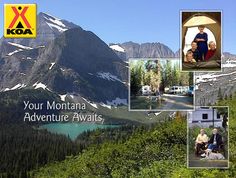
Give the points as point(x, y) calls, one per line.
point(201, 38)
point(201, 142)
point(194, 50)
point(214, 142)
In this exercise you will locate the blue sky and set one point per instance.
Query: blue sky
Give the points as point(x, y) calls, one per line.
point(135, 20)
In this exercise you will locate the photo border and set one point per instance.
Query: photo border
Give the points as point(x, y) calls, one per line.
point(228, 143)
point(157, 110)
point(180, 36)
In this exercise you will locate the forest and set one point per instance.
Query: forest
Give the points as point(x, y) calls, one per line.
point(23, 148)
point(158, 74)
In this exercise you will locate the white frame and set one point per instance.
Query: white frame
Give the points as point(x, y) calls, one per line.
point(157, 110)
point(227, 142)
point(180, 35)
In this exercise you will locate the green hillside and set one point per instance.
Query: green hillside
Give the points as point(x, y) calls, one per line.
point(155, 152)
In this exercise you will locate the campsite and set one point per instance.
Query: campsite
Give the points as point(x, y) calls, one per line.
point(208, 121)
point(158, 84)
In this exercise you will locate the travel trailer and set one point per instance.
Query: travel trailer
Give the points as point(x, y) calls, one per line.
point(205, 117)
point(146, 90)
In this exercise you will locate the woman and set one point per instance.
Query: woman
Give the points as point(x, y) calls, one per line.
point(211, 51)
point(201, 142)
point(201, 38)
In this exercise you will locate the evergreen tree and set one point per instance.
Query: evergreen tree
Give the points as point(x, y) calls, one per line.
point(220, 95)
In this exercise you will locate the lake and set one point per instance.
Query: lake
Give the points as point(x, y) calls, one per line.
point(73, 129)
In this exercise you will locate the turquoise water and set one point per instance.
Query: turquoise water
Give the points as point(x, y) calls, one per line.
point(73, 129)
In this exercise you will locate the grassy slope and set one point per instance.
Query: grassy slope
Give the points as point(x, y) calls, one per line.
point(160, 152)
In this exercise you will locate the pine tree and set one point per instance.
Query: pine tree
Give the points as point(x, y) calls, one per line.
point(220, 95)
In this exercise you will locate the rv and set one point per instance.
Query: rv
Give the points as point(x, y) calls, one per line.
point(205, 117)
point(146, 90)
point(178, 89)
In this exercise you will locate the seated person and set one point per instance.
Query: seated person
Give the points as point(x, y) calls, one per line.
point(201, 142)
point(194, 50)
point(214, 142)
point(189, 57)
point(211, 51)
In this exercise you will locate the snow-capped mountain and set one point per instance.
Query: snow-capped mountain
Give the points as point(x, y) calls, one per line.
point(145, 50)
point(67, 60)
point(63, 59)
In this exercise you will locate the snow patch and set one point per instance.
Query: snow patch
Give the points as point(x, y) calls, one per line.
point(63, 97)
point(91, 103)
point(39, 85)
point(13, 52)
point(229, 63)
point(17, 86)
point(20, 46)
point(59, 28)
point(6, 89)
point(40, 46)
point(105, 105)
point(117, 48)
point(63, 70)
point(52, 64)
point(108, 76)
point(54, 20)
point(210, 77)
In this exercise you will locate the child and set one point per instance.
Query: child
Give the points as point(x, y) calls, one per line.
point(189, 57)
point(201, 39)
point(211, 51)
point(194, 50)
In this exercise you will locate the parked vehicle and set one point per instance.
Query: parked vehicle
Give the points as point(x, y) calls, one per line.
point(146, 90)
point(178, 89)
point(175, 90)
point(205, 117)
point(191, 91)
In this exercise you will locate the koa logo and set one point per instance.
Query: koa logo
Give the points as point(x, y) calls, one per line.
point(20, 21)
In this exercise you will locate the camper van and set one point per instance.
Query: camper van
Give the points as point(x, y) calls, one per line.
point(205, 117)
point(175, 90)
point(146, 90)
point(178, 89)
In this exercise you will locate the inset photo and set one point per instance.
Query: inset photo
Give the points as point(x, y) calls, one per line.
point(201, 40)
point(158, 84)
point(208, 137)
